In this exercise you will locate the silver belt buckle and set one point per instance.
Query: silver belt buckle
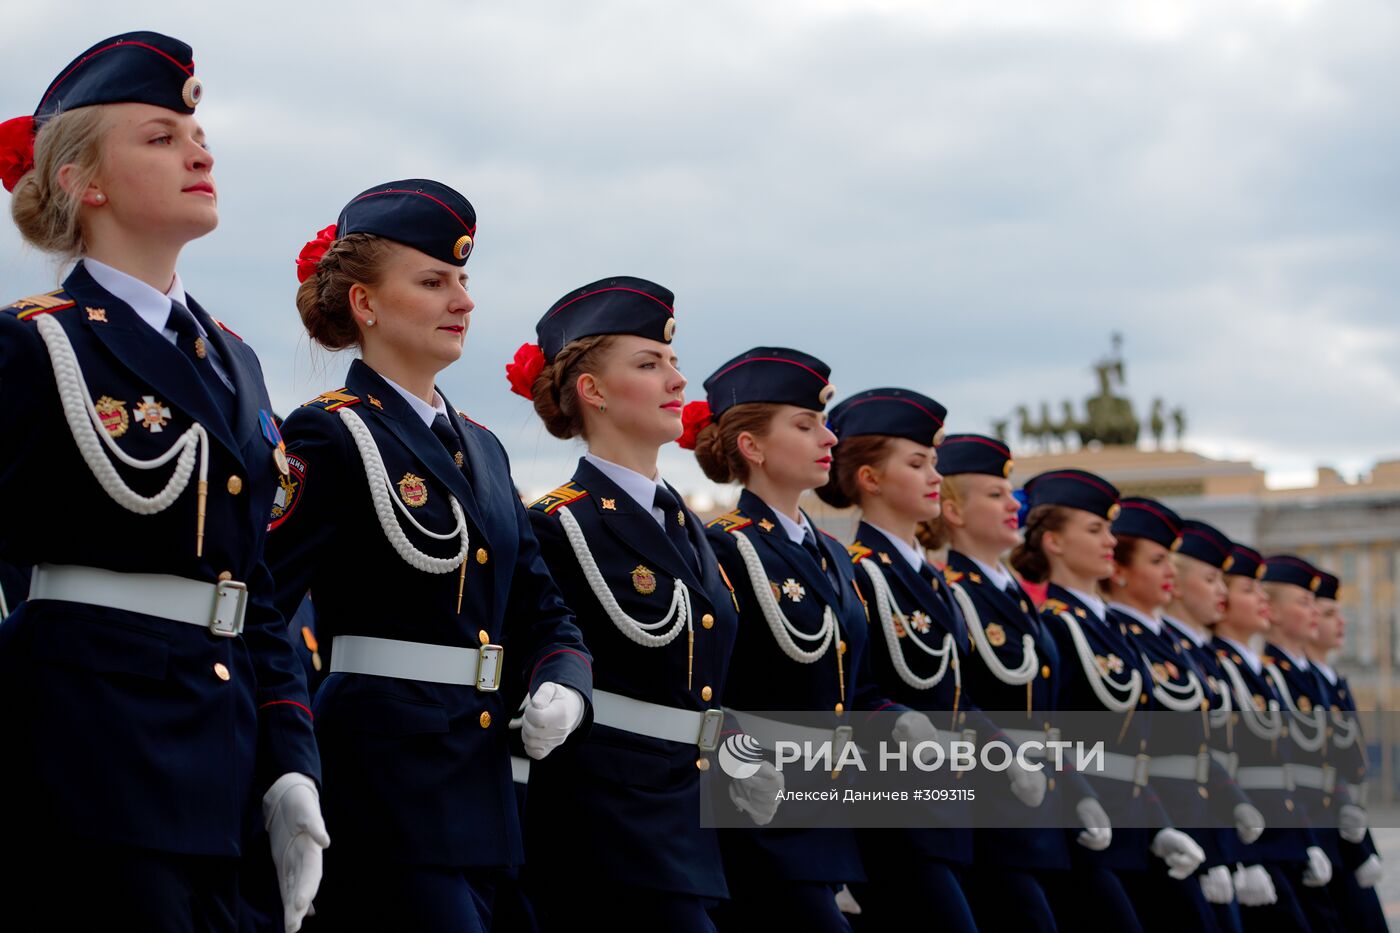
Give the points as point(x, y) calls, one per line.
point(711, 722)
point(488, 668)
point(1141, 765)
point(230, 603)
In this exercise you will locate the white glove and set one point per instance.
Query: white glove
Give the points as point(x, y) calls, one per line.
point(1351, 823)
point(913, 727)
point(757, 794)
point(1028, 786)
point(1254, 887)
point(292, 816)
point(1369, 871)
point(1216, 886)
point(1098, 832)
point(553, 712)
point(846, 902)
point(1249, 823)
point(1319, 870)
point(1181, 853)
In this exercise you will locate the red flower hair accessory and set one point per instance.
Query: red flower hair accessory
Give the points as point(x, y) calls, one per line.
point(16, 150)
point(694, 417)
point(525, 369)
point(310, 256)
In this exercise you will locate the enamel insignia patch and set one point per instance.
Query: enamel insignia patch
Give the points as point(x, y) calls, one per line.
point(919, 621)
point(793, 590)
point(413, 490)
point(289, 488)
point(996, 635)
point(151, 415)
point(643, 580)
point(112, 411)
point(1110, 665)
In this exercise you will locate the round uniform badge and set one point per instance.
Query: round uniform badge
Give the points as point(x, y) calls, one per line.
point(1113, 511)
point(643, 580)
point(279, 456)
point(463, 247)
point(1007, 467)
point(827, 393)
point(996, 635)
point(669, 331)
point(112, 411)
point(193, 92)
point(413, 490)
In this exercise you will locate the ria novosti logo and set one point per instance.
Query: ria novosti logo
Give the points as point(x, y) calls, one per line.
point(740, 755)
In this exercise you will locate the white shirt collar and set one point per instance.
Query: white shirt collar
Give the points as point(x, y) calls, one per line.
point(796, 531)
point(1302, 663)
point(1189, 631)
point(1096, 605)
point(1246, 652)
point(1001, 577)
point(905, 548)
point(1154, 625)
point(150, 305)
point(421, 408)
point(639, 488)
point(1327, 672)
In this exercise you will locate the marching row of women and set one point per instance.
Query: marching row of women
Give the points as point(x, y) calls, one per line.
point(159, 728)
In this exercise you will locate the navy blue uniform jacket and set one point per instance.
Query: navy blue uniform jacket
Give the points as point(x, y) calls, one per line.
point(116, 724)
point(632, 802)
point(418, 772)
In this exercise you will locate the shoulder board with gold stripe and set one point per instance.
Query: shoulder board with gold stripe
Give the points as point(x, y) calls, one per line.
point(858, 552)
point(472, 421)
point(953, 576)
point(333, 401)
point(562, 496)
point(1267, 659)
point(228, 330)
point(730, 521)
point(1056, 606)
point(35, 305)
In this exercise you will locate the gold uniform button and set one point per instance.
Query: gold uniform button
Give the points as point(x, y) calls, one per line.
point(1045, 671)
point(481, 555)
point(235, 485)
point(840, 707)
point(225, 576)
point(485, 719)
point(706, 692)
point(707, 620)
point(220, 671)
point(703, 764)
point(840, 647)
point(484, 638)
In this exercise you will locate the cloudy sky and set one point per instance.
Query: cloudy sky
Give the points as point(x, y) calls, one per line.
point(962, 197)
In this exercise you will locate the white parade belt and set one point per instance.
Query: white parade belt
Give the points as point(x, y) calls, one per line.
point(1023, 736)
point(411, 660)
point(1265, 777)
point(1181, 767)
point(519, 769)
point(1119, 767)
point(1230, 761)
point(690, 727)
point(219, 607)
point(1313, 777)
point(769, 732)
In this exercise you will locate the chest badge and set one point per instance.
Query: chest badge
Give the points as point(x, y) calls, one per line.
point(413, 490)
point(996, 635)
point(151, 415)
point(609, 505)
point(1111, 664)
point(112, 411)
point(643, 580)
point(919, 621)
point(96, 314)
point(793, 590)
point(765, 524)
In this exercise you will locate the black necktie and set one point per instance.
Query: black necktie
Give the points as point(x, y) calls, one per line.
point(809, 544)
point(443, 429)
point(673, 520)
point(201, 354)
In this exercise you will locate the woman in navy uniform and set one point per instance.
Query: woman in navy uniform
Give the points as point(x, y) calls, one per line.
point(1021, 875)
point(802, 639)
point(1274, 866)
point(1149, 571)
point(656, 611)
point(151, 692)
point(1353, 882)
point(400, 516)
point(1069, 542)
point(885, 464)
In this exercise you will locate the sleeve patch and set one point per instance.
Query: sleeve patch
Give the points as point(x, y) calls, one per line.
point(560, 497)
point(289, 490)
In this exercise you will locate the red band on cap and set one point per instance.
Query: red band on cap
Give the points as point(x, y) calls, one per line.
point(421, 194)
point(1175, 528)
point(1207, 538)
point(187, 69)
point(770, 359)
point(1083, 479)
point(616, 288)
point(984, 441)
point(896, 398)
